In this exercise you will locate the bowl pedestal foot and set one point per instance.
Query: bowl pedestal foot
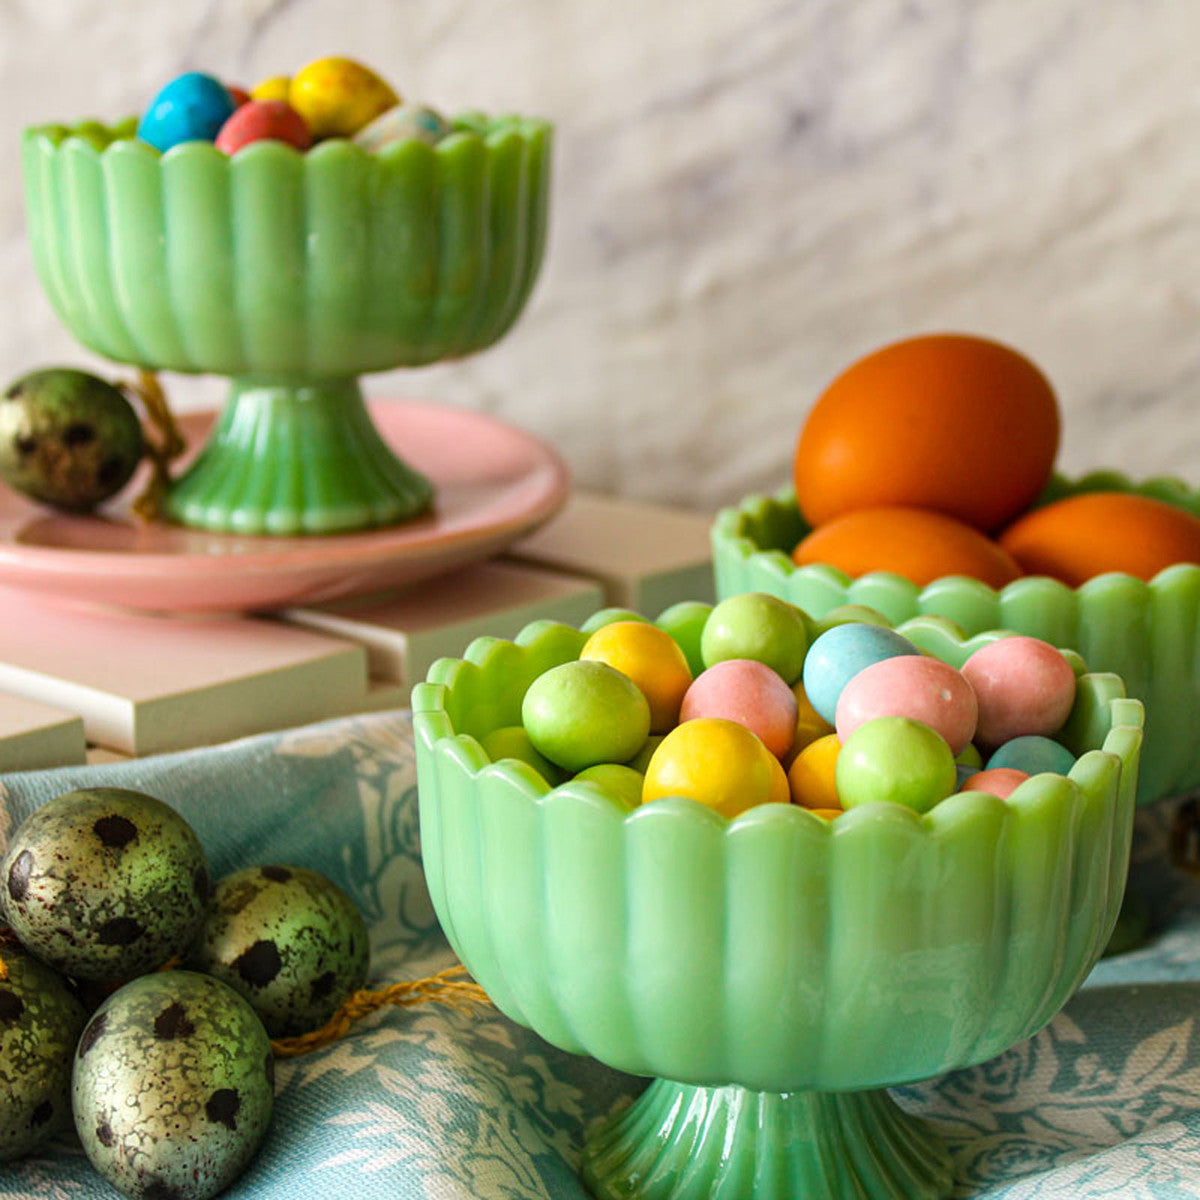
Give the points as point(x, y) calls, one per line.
point(679, 1142)
point(294, 457)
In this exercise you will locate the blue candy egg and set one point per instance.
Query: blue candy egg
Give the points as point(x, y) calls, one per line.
point(839, 654)
point(964, 772)
point(191, 108)
point(1033, 755)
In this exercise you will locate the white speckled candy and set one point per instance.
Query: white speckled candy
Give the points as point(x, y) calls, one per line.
point(405, 122)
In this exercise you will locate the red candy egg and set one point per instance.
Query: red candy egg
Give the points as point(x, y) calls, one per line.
point(238, 95)
point(264, 120)
point(1000, 782)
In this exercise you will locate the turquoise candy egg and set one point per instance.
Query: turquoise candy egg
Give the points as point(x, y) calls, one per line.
point(104, 883)
point(1033, 754)
point(173, 1086)
point(288, 940)
point(839, 654)
point(40, 1022)
point(191, 108)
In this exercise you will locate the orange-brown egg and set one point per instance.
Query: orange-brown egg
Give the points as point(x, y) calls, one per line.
point(954, 423)
point(920, 545)
point(1082, 536)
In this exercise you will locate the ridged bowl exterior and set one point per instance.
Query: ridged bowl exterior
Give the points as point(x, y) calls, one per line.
point(330, 263)
point(1147, 633)
point(778, 952)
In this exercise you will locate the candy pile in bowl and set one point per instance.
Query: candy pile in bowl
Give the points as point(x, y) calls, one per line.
point(170, 1076)
point(332, 97)
point(752, 703)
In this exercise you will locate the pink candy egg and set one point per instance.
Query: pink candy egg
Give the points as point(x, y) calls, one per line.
point(264, 120)
point(921, 688)
point(749, 693)
point(1023, 685)
point(1000, 782)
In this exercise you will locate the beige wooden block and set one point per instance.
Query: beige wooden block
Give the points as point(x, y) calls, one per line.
point(145, 685)
point(100, 755)
point(645, 556)
point(405, 632)
point(35, 735)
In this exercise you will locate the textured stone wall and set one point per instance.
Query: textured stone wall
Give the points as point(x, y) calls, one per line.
point(748, 195)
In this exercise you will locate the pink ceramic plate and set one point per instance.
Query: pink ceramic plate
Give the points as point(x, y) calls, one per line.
point(494, 484)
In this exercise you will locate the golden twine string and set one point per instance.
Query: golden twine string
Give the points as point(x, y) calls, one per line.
point(161, 451)
point(451, 987)
point(7, 938)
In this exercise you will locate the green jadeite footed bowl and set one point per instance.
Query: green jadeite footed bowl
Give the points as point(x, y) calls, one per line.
point(293, 273)
point(1147, 633)
point(776, 972)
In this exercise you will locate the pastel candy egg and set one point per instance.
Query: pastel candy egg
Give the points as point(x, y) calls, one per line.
point(276, 87)
point(623, 784)
point(338, 96)
point(403, 123)
point(810, 725)
point(895, 759)
point(755, 625)
point(745, 691)
point(1033, 755)
point(1000, 782)
point(511, 741)
point(651, 658)
point(641, 760)
point(812, 777)
point(925, 689)
point(610, 616)
point(852, 614)
point(191, 108)
point(718, 763)
point(685, 622)
point(239, 95)
point(263, 120)
point(582, 713)
point(839, 654)
point(969, 756)
point(1023, 685)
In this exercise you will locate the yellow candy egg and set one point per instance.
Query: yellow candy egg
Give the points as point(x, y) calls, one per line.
point(719, 763)
point(652, 659)
point(277, 87)
point(338, 96)
point(810, 725)
point(812, 776)
point(827, 814)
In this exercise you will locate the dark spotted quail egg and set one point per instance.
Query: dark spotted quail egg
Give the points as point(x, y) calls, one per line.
point(40, 1022)
point(173, 1087)
point(104, 883)
point(289, 940)
point(67, 438)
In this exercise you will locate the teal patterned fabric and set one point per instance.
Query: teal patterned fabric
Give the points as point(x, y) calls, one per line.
point(429, 1104)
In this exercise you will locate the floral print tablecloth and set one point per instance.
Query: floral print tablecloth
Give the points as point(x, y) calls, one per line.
point(439, 1105)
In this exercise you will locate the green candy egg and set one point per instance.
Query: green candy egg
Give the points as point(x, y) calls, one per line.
point(67, 438)
point(104, 883)
point(287, 939)
point(895, 759)
point(173, 1087)
point(40, 1022)
point(685, 622)
point(582, 713)
point(511, 741)
point(622, 784)
point(760, 627)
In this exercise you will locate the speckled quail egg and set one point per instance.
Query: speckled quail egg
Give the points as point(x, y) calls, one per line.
point(67, 438)
point(403, 123)
point(289, 940)
point(173, 1087)
point(40, 1022)
point(104, 883)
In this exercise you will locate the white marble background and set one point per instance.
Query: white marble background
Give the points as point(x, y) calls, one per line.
point(748, 195)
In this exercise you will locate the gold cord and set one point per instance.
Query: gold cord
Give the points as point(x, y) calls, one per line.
point(161, 451)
